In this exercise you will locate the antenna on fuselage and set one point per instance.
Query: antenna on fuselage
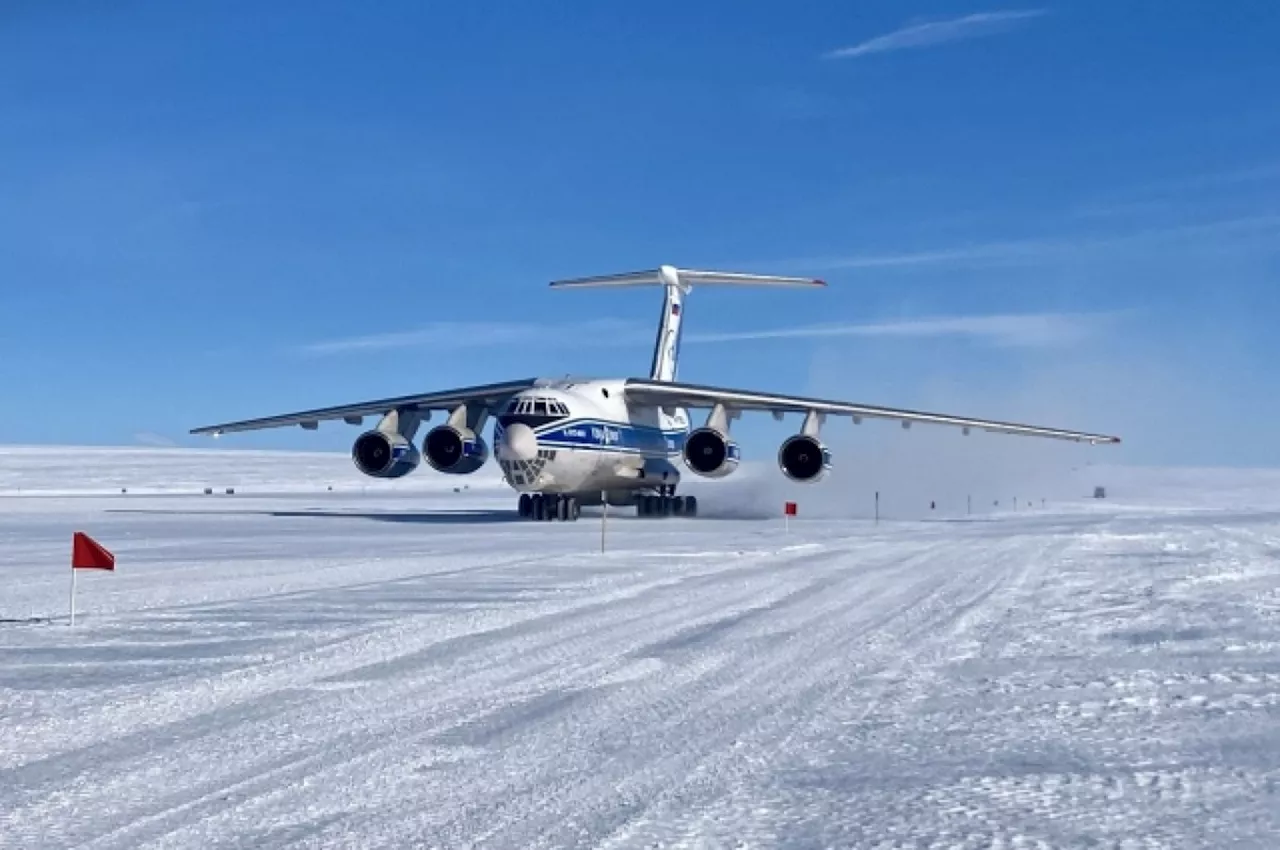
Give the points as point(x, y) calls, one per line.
point(677, 283)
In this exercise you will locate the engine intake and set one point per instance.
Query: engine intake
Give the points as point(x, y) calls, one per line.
point(804, 459)
point(381, 455)
point(455, 451)
point(710, 453)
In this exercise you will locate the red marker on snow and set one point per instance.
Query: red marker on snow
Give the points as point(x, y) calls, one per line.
point(87, 554)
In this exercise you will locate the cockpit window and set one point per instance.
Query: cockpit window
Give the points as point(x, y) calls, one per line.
point(533, 412)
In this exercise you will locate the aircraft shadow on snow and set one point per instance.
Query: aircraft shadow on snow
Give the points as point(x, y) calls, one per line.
point(472, 517)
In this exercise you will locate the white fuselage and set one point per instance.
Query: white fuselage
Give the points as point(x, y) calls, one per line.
point(582, 437)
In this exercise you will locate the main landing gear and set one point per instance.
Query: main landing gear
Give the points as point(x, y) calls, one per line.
point(564, 507)
point(666, 503)
point(549, 506)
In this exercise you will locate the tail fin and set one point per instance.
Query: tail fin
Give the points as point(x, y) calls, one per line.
point(678, 282)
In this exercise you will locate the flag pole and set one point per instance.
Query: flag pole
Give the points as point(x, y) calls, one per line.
point(604, 515)
point(88, 554)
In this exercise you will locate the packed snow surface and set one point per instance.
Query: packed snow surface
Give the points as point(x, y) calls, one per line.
point(412, 667)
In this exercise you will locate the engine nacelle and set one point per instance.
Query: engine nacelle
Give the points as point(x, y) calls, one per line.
point(381, 455)
point(804, 459)
point(710, 453)
point(455, 451)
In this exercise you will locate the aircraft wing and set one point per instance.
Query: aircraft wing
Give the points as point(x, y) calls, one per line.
point(670, 394)
point(488, 395)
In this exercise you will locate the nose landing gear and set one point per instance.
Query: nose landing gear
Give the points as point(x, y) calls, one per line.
point(542, 507)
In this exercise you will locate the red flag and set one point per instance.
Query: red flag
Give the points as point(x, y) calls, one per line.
point(790, 508)
point(88, 554)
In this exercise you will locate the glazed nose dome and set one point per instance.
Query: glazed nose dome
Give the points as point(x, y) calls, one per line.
point(518, 443)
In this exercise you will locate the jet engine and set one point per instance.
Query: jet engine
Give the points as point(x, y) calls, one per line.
point(455, 451)
point(382, 455)
point(710, 453)
point(803, 458)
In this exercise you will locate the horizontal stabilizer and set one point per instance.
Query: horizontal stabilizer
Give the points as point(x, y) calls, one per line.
point(685, 278)
point(703, 278)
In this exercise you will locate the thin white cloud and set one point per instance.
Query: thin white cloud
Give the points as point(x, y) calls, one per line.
point(1026, 251)
point(436, 334)
point(1177, 193)
point(1025, 330)
point(930, 33)
point(455, 335)
point(1259, 173)
point(982, 253)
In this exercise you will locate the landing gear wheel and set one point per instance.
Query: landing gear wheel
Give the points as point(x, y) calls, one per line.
point(550, 506)
point(665, 505)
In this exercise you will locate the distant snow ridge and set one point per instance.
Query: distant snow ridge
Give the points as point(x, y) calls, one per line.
point(75, 470)
point(756, 491)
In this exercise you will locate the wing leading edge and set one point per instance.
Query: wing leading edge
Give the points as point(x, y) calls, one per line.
point(663, 394)
point(488, 395)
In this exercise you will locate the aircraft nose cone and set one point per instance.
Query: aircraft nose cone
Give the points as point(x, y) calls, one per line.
point(518, 443)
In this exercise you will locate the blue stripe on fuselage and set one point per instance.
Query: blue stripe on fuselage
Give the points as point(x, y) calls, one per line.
point(605, 435)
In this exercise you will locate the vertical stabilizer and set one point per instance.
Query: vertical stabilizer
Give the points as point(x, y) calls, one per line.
point(666, 348)
point(676, 283)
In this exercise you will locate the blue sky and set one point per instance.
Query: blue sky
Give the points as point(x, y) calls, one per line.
point(1066, 213)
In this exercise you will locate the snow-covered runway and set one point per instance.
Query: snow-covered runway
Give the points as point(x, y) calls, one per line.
point(347, 670)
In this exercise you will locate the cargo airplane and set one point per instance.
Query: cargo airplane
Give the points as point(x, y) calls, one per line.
point(565, 443)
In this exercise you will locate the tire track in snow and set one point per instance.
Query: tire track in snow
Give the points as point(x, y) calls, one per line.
point(330, 656)
point(923, 626)
point(565, 648)
point(507, 705)
point(687, 726)
point(892, 686)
